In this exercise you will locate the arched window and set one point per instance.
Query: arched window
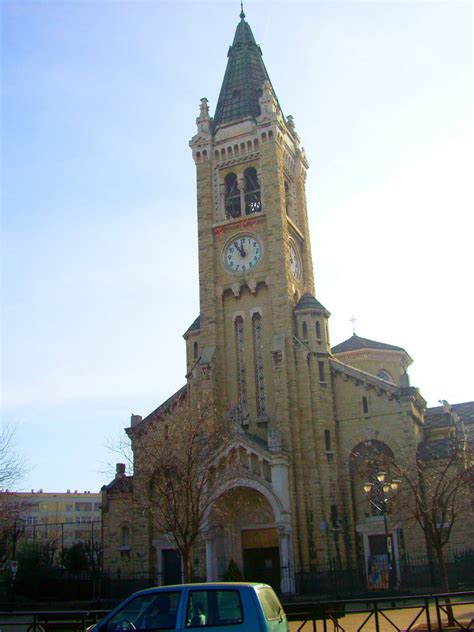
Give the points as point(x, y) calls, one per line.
point(318, 330)
point(384, 375)
point(287, 199)
point(241, 375)
point(366, 460)
point(253, 202)
point(125, 536)
point(195, 350)
point(258, 364)
point(305, 330)
point(232, 196)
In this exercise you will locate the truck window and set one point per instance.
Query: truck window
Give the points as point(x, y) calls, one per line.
point(270, 603)
point(207, 608)
point(152, 611)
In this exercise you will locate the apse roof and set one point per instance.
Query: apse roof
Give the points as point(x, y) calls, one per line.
point(356, 342)
point(243, 79)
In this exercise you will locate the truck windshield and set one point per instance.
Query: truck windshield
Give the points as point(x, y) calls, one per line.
point(152, 611)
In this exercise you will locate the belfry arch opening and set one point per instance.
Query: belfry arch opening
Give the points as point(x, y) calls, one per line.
point(232, 196)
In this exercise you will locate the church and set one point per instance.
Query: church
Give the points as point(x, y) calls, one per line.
point(309, 413)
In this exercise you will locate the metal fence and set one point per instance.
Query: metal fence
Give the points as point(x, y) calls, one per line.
point(423, 613)
point(417, 575)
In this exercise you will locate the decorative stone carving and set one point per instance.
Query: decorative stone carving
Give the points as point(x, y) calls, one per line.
point(268, 104)
point(278, 347)
point(204, 121)
point(290, 123)
point(275, 443)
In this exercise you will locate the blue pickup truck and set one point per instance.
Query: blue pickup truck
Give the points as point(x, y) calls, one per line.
point(222, 607)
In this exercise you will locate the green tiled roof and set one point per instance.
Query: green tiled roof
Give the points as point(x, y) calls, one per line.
point(243, 79)
point(308, 301)
point(195, 326)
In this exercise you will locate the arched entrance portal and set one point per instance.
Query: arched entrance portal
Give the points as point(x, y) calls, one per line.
point(244, 529)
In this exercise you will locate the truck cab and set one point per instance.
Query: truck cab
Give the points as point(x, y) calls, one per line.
point(222, 607)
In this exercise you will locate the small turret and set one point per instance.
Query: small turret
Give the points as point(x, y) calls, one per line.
point(311, 320)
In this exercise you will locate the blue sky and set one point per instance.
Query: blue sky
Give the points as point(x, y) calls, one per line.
point(99, 254)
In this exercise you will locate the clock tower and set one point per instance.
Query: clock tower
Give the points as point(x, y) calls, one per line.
point(261, 339)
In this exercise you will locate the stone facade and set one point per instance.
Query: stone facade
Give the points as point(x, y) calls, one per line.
point(261, 346)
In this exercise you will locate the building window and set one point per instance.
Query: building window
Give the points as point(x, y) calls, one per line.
point(305, 330)
point(125, 536)
point(318, 330)
point(241, 376)
point(287, 199)
point(69, 508)
point(195, 350)
point(384, 375)
point(334, 517)
point(258, 364)
point(321, 371)
point(365, 405)
point(253, 203)
point(232, 196)
point(327, 440)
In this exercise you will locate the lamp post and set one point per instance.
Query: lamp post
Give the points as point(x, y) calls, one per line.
point(382, 489)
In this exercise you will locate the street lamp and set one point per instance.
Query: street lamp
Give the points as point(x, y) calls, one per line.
point(382, 488)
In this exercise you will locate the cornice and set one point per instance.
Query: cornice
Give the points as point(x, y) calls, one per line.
point(368, 380)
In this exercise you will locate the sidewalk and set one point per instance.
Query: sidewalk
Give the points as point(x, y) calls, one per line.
point(400, 619)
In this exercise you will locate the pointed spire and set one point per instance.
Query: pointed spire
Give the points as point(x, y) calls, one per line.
point(243, 79)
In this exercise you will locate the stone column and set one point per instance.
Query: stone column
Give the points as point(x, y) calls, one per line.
point(287, 582)
point(211, 558)
point(221, 216)
point(241, 185)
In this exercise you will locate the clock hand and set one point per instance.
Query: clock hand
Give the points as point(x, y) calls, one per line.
point(239, 248)
point(242, 252)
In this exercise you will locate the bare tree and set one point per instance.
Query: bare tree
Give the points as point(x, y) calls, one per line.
point(12, 466)
point(183, 468)
point(436, 493)
point(435, 490)
point(119, 446)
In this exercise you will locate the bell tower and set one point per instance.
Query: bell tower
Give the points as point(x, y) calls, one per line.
point(254, 248)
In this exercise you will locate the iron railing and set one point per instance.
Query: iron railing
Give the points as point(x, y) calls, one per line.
point(426, 613)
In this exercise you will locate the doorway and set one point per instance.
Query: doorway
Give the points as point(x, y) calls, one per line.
point(378, 563)
point(261, 556)
point(171, 567)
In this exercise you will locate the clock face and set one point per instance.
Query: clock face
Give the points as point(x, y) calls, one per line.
point(242, 253)
point(295, 261)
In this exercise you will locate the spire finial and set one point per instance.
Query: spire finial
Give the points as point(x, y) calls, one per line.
point(242, 14)
point(353, 320)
